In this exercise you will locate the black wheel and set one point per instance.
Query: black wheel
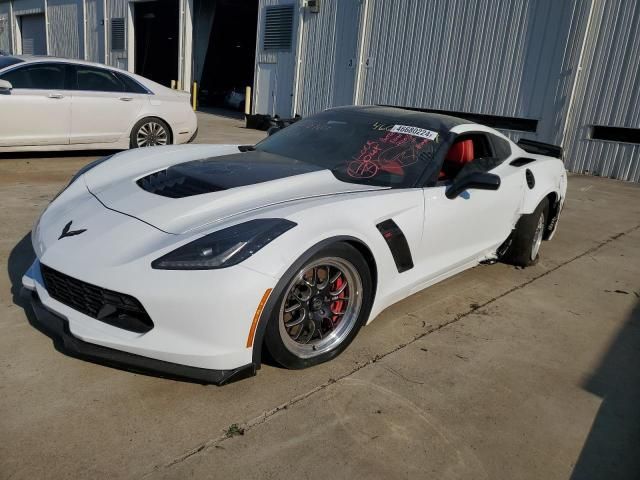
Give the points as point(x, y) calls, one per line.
point(321, 307)
point(150, 132)
point(524, 244)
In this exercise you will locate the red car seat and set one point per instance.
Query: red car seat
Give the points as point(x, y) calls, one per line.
point(458, 156)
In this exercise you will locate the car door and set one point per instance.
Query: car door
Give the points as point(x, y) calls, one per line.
point(37, 110)
point(103, 108)
point(462, 229)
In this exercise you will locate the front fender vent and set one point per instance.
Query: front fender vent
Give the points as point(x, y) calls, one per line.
point(397, 243)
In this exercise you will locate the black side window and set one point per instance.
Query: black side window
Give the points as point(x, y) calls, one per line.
point(501, 148)
point(97, 80)
point(468, 149)
point(481, 146)
point(131, 86)
point(40, 76)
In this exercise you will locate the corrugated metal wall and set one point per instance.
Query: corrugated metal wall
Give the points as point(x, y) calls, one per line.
point(318, 55)
point(497, 57)
point(27, 6)
point(5, 27)
point(330, 44)
point(115, 9)
point(608, 92)
point(512, 58)
point(95, 30)
point(66, 32)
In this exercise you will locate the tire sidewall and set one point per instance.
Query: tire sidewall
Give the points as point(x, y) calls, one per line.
point(272, 339)
point(523, 237)
point(540, 212)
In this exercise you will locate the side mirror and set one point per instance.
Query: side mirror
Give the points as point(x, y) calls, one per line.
point(5, 87)
point(475, 180)
point(273, 130)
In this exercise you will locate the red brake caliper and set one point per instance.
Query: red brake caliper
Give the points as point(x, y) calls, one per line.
point(336, 305)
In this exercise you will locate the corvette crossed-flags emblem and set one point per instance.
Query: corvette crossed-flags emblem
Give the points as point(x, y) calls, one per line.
point(67, 232)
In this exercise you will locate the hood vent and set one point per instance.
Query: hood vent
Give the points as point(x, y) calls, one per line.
point(175, 185)
point(222, 173)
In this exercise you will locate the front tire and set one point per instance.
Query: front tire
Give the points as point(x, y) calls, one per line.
point(150, 132)
point(321, 308)
point(525, 241)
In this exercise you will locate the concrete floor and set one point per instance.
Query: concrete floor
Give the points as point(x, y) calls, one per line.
point(495, 373)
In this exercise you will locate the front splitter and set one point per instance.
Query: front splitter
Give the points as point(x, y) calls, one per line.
point(57, 327)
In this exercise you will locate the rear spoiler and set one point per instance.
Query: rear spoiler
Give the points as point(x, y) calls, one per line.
point(541, 148)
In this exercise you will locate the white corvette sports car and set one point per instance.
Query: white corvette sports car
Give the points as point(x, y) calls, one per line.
point(187, 261)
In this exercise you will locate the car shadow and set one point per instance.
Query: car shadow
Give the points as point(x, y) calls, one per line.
point(20, 259)
point(56, 154)
point(222, 112)
point(612, 448)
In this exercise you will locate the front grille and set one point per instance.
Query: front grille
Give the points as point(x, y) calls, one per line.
point(174, 185)
point(117, 309)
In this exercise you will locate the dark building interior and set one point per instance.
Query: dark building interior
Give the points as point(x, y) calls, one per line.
point(156, 40)
point(230, 57)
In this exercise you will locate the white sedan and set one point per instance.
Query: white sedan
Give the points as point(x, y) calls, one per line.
point(188, 260)
point(59, 104)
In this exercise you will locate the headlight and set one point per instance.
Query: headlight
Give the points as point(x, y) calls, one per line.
point(226, 247)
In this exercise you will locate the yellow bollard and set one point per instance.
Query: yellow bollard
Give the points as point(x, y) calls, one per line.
point(194, 96)
point(247, 101)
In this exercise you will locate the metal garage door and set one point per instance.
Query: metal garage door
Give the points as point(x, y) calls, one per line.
point(32, 31)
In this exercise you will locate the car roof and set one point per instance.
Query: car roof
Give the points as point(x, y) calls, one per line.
point(26, 59)
point(8, 60)
point(435, 121)
point(47, 58)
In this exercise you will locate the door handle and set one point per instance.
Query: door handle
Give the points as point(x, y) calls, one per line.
point(56, 96)
point(126, 99)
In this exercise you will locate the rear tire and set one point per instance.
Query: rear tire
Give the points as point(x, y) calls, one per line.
point(150, 132)
point(321, 308)
point(526, 238)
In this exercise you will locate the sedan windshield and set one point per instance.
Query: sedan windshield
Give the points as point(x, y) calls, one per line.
point(359, 147)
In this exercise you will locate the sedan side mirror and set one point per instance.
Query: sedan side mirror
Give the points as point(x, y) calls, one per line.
point(476, 180)
point(5, 87)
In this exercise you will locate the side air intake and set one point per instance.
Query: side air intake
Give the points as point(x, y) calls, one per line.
point(397, 243)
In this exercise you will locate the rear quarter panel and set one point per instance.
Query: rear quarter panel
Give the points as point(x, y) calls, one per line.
point(550, 177)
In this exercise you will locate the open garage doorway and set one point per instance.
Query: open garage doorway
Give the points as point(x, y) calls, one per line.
point(157, 40)
point(227, 54)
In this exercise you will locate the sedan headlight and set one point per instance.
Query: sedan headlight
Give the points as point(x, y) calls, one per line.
point(225, 247)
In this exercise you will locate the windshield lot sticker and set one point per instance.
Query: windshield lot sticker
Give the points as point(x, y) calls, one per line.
point(415, 131)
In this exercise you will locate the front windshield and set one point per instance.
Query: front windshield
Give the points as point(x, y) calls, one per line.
point(358, 147)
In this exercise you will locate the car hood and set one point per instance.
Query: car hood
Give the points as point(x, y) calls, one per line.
point(183, 188)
